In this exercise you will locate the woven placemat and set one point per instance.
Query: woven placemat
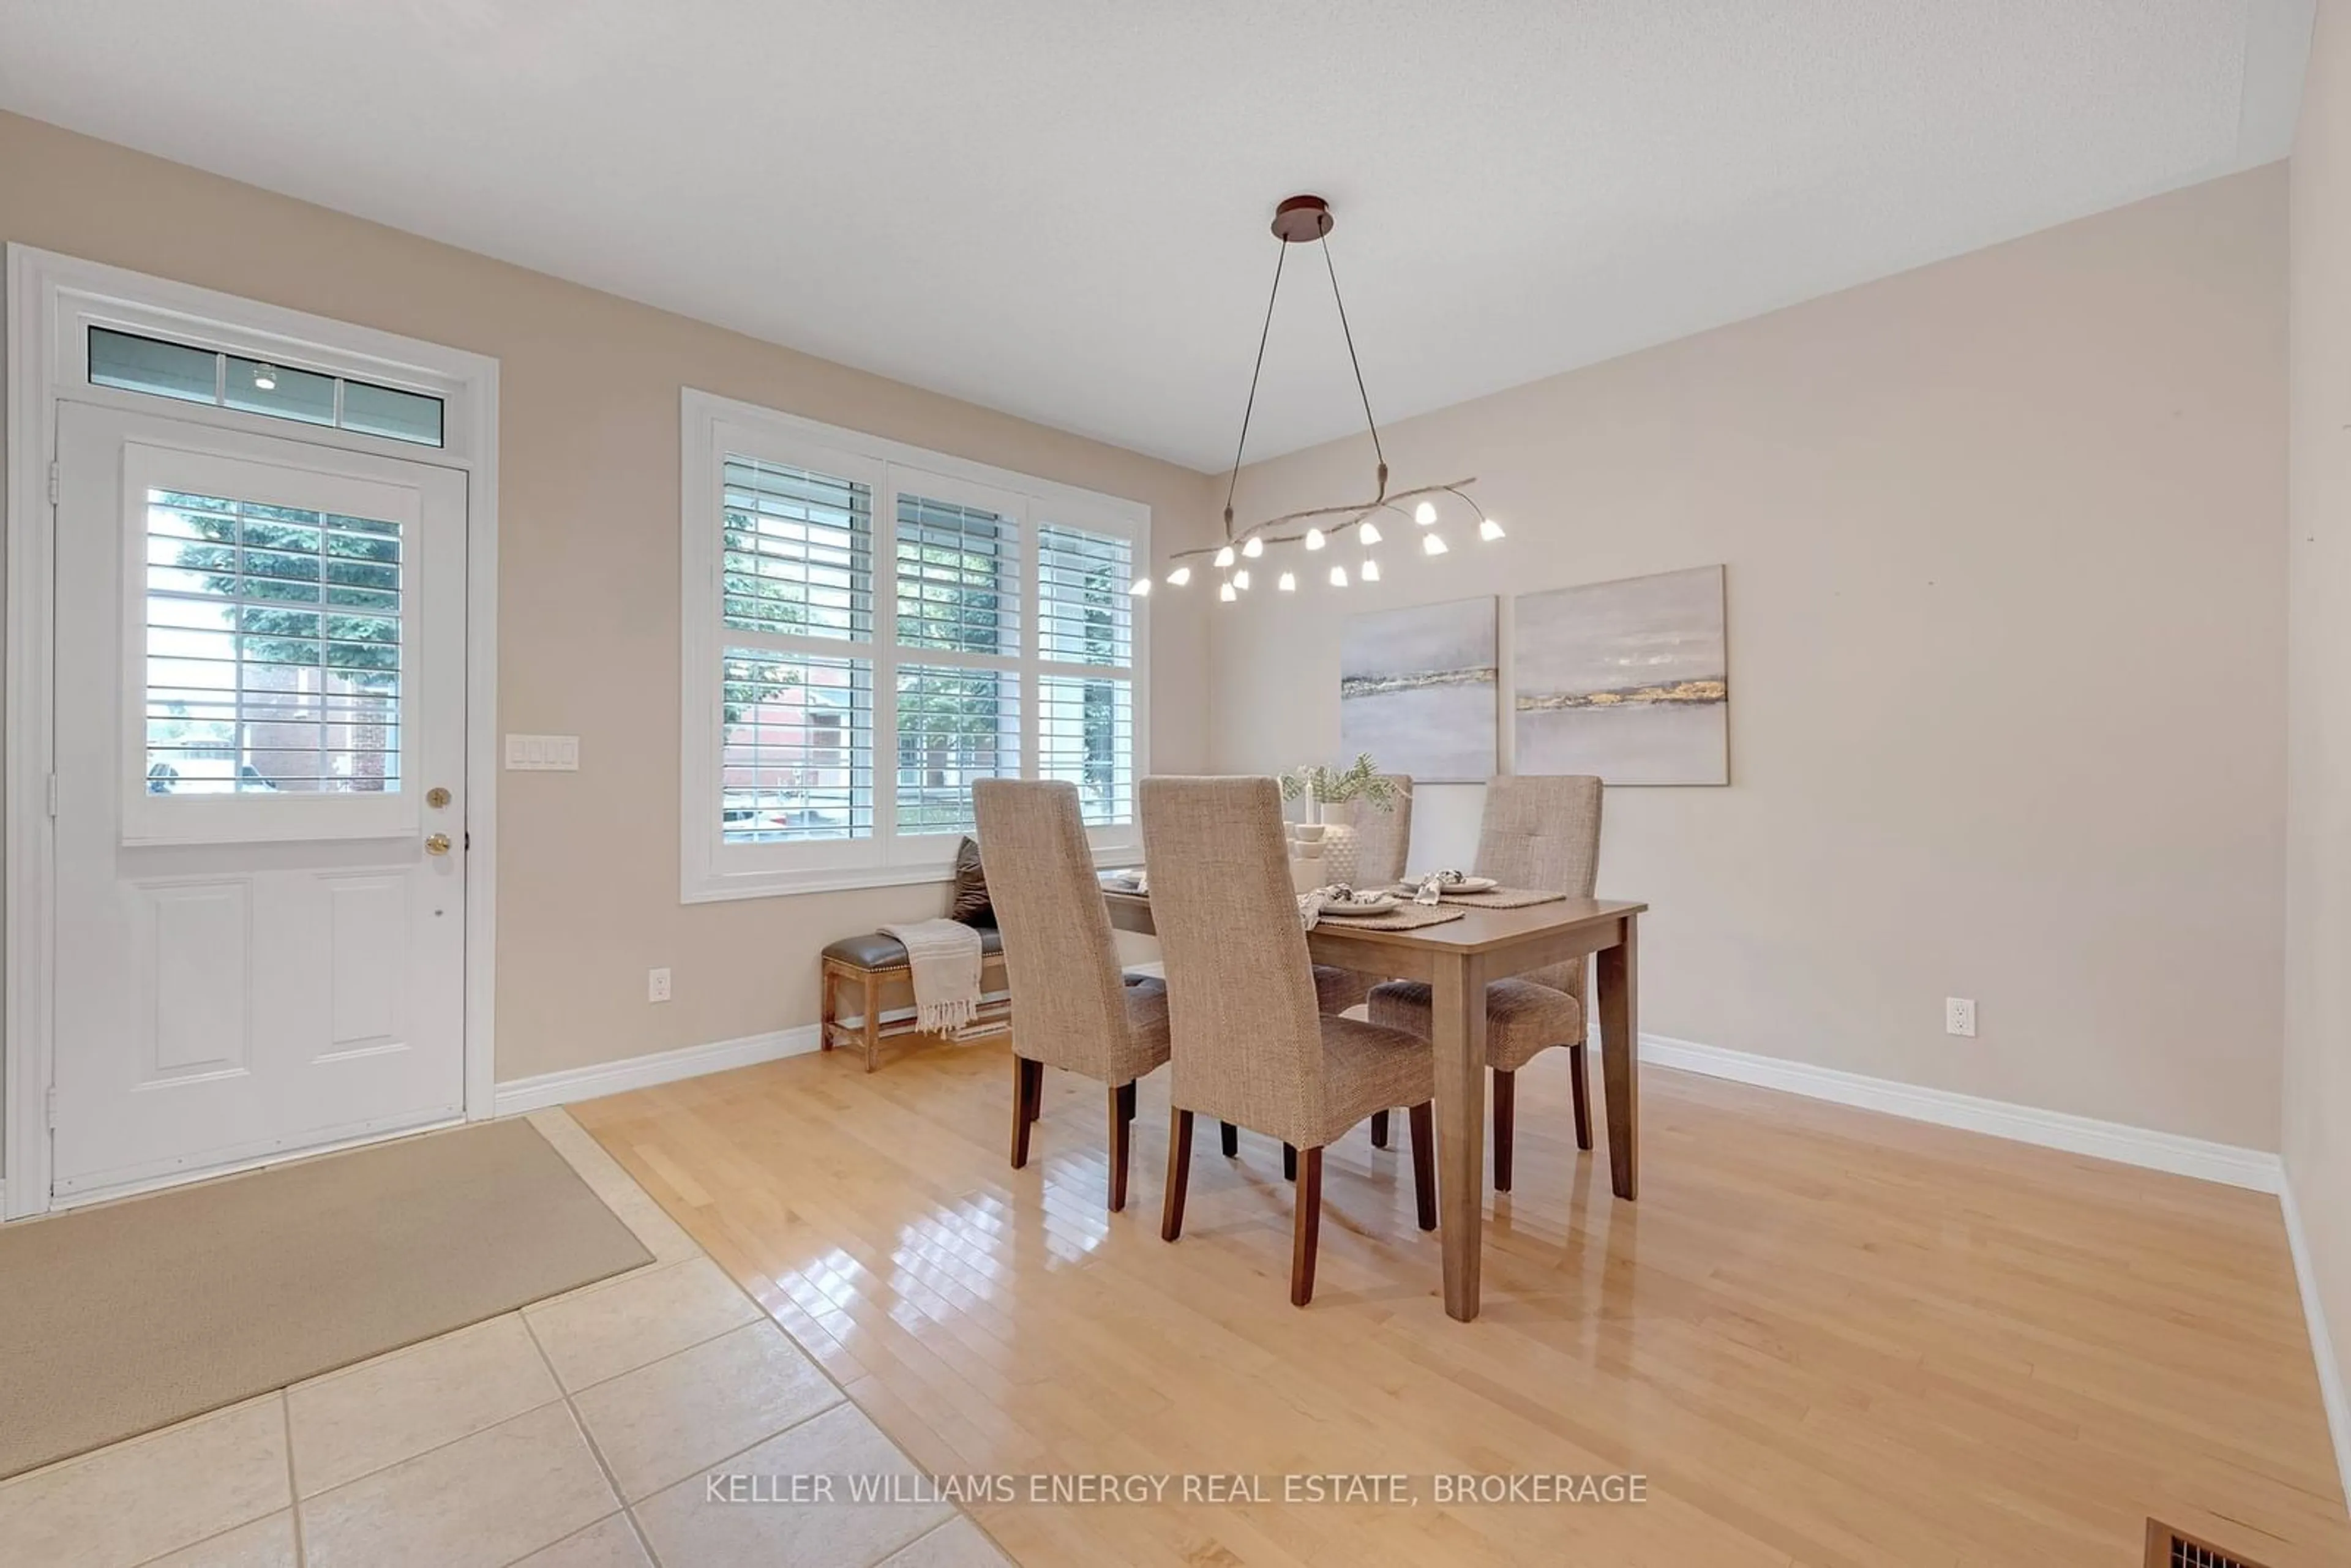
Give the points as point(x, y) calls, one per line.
point(1498, 897)
point(1410, 917)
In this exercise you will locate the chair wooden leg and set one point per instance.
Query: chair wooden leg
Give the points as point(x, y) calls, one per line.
point(1379, 1129)
point(872, 992)
point(1583, 1081)
point(1424, 1164)
point(1027, 1083)
point(1179, 1172)
point(1506, 1122)
point(1305, 1229)
point(1290, 1162)
point(828, 1010)
point(1232, 1139)
point(1122, 1117)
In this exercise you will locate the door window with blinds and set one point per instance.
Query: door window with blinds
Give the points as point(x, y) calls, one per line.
point(264, 613)
point(871, 628)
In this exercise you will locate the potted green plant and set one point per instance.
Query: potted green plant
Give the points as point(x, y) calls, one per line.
point(1319, 786)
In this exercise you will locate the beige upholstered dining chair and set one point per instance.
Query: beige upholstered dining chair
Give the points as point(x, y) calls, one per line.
point(1071, 1006)
point(1383, 844)
point(1249, 1045)
point(1383, 837)
point(1536, 833)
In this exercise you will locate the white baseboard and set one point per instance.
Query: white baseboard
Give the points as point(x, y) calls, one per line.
point(2322, 1343)
point(657, 1067)
point(2198, 1157)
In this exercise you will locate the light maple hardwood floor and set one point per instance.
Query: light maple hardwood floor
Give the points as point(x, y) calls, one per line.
point(1824, 1337)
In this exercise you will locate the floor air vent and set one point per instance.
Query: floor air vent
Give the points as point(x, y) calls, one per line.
point(2170, 1548)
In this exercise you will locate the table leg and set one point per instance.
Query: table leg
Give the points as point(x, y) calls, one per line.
point(1458, 1020)
point(1620, 1056)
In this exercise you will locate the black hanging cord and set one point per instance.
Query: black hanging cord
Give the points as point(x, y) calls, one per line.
point(1279, 255)
point(1358, 365)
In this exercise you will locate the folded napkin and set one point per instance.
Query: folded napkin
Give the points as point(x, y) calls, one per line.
point(944, 956)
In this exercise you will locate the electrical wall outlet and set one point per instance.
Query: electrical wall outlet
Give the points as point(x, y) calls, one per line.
point(656, 985)
point(1959, 1016)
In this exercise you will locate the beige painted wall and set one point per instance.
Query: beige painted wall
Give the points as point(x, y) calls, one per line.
point(2006, 610)
point(588, 603)
point(2318, 787)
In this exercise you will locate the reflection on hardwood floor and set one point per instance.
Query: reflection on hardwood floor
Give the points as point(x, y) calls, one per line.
point(1826, 1337)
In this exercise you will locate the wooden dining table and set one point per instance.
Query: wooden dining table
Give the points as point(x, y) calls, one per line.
point(1458, 958)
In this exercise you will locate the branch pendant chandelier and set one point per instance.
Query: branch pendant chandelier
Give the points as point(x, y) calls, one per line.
point(1306, 220)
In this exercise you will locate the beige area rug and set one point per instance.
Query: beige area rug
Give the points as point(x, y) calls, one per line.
point(119, 1320)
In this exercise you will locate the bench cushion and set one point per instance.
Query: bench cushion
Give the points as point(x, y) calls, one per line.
point(874, 951)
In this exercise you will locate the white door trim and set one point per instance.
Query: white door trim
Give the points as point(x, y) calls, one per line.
point(49, 299)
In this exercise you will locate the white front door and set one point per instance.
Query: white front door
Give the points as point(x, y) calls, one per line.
point(260, 805)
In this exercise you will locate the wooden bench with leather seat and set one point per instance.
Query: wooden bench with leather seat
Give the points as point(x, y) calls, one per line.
point(876, 966)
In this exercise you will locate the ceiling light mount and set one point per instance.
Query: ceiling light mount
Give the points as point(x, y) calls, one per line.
point(1306, 220)
point(1301, 220)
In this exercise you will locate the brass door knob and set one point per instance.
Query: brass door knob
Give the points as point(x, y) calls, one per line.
point(436, 797)
point(438, 844)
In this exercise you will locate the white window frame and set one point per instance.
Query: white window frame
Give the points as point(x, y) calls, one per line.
point(710, 427)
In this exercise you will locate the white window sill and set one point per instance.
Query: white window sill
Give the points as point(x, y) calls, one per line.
point(722, 889)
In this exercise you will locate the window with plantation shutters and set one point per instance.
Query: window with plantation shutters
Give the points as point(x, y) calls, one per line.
point(870, 630)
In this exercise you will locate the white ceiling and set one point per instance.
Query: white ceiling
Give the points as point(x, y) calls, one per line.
point(1059, 207)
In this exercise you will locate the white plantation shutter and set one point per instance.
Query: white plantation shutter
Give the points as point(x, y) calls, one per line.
point(958, 578)
point(956, 726)
point(797, 552)
point(869, 632)
point(1085, 735)
point(1085, 614)
point(798, 760)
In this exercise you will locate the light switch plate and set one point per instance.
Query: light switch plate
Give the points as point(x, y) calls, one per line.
point(543, 753)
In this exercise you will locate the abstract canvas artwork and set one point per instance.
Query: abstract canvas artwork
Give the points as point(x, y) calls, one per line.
point(1628, 680)
point(1416, 690)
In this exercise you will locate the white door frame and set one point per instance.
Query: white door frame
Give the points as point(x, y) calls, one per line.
point(51, 300)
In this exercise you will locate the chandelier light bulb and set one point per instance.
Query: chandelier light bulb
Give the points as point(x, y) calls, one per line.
point(1253, 547)
point(1425, 514)
point(1489, 530)
point(1314, 539)
point(1338, 577)
point(1432, 544)
point(1371, 572)
point(1140, 588)
point(1241, 579)
point(1179, 576)
point(1224, 556)
point(1289, 582)
point(1369, 533)
point(1225, 594)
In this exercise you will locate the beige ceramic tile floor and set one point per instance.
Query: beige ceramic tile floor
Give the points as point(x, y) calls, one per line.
point(574, 1434)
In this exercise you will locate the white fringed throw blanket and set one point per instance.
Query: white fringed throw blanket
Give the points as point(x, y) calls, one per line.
point(945, 959)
